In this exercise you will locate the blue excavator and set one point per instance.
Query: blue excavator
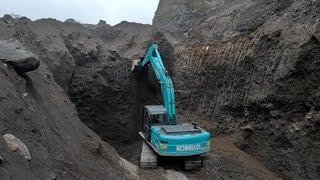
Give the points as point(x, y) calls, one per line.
point(160, 131)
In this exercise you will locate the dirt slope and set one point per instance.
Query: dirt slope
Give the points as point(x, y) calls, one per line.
point(251, 67)
point(40, 113)
point(36, 110)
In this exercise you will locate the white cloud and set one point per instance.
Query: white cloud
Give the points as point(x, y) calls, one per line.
point(86, 11)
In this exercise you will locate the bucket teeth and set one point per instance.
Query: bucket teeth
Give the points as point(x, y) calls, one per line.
point(135, 64)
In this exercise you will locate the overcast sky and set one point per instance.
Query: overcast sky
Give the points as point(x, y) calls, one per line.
point(86, 11)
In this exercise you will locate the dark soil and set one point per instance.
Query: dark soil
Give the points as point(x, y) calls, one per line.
point(36, 110)
point(247, 71)
point(253, 67)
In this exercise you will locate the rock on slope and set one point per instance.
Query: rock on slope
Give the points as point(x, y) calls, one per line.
point(12, 53)
point(254, 68)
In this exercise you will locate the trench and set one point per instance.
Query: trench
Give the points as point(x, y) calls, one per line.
point(109, 100)
point(109, 97)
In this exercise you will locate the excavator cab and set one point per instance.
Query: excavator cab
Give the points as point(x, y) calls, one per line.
point(152, 115)
point(186, 140)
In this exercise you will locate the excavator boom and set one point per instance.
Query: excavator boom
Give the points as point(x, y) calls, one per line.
point(162, 135)
point(153, 57)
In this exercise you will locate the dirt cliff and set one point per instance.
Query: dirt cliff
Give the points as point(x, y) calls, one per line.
point(250, 68)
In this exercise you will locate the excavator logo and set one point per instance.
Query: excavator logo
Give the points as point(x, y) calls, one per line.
point(188, 147)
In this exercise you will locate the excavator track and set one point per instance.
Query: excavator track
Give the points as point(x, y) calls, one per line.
point(193, 162)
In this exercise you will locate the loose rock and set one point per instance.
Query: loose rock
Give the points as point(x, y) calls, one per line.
point(16, 145)
point(247, 128)
point(12, 52)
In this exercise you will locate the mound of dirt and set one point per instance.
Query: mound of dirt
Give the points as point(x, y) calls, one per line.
point(36, 110)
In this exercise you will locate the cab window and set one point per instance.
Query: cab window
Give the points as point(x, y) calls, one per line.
point(157, 119)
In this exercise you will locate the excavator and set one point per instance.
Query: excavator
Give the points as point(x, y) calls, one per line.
point(161, 134)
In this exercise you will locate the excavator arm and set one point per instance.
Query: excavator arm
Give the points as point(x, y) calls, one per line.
point(169, 138)
point(153, 57)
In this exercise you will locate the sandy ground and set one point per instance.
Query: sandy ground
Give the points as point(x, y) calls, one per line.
point(225, 161)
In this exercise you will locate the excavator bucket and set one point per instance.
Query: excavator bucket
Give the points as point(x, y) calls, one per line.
point(135, 64)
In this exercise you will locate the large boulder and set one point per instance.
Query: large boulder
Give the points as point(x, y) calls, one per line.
point(14, 53)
